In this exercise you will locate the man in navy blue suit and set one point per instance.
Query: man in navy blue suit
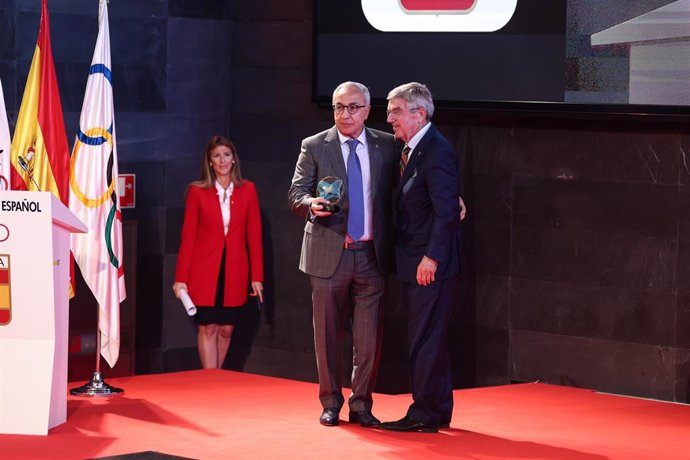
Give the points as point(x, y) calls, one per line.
point(427, 253)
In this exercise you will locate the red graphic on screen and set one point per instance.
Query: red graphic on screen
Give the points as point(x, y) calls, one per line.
point(5, 297)
point(437, 5)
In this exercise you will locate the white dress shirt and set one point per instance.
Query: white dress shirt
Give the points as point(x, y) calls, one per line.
point(224, 195)
point(418, 137)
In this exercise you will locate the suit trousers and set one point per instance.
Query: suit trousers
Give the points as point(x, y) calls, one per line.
point(428, 309)
point(353, 295)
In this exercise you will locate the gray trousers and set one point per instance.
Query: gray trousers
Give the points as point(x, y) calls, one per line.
point(354, 293)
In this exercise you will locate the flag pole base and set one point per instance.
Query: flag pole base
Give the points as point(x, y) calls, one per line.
point(96, 387)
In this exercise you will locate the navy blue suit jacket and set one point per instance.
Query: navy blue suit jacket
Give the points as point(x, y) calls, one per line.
point(427, 209)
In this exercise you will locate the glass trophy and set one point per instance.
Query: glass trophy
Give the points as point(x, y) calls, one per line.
point(330, 188)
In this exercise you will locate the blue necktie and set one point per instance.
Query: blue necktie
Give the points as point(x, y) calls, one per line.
point(355, 193)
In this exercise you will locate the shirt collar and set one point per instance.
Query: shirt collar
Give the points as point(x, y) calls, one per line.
point(418, 137)
point(362, 138)
point(221, 190)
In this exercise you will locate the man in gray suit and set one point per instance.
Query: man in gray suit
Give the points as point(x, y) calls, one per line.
point(348, 252)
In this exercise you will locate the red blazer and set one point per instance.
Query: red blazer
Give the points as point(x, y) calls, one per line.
point(198, 261)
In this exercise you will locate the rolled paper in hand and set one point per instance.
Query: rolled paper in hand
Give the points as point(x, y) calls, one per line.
point(187, 302)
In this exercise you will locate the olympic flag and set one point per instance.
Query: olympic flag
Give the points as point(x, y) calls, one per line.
point(4, 145)
point(39, 146)
point(94, 195)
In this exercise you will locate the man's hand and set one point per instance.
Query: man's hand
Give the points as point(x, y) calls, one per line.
point(315, 207)
point(463, 209)
point(426, 271)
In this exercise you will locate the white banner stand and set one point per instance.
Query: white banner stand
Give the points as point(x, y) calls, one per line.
point(35, 232)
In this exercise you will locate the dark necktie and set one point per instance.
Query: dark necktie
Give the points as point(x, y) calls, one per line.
point(403, 159)
point(355, 193)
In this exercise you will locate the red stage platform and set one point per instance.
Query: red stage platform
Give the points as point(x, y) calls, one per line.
point(215, 414)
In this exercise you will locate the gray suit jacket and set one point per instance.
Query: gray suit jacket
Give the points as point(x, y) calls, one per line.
point(321, 156)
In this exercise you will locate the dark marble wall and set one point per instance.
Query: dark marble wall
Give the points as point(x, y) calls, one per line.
point(576, 243)
point(579, 226)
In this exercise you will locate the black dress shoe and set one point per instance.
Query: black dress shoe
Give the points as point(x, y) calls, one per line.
point(364, 418)
point(329, 416)
point(409, 424)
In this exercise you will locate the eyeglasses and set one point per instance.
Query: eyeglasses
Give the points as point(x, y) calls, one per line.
point(351, 109)
point(395, 113)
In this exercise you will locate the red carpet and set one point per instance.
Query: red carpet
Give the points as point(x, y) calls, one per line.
point(223, 414)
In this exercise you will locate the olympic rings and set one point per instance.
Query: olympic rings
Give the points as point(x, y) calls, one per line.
point(114, 214)
point(4, 185)
point(4, 233)
point(105, 136)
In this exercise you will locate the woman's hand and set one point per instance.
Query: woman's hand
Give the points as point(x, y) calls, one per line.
point(177, 287)
point(258, 290)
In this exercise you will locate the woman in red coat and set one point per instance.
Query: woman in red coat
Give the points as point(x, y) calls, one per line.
point(221, 221)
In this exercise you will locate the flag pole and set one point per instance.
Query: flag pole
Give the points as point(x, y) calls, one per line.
point(97, 386)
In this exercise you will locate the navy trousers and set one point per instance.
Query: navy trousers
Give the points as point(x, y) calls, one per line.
point(428, 310)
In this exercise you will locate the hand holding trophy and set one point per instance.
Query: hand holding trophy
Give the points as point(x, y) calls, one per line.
point(330, 188)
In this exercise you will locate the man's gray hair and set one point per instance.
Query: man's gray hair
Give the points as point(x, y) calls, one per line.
point(354, 84)
point(416, 95)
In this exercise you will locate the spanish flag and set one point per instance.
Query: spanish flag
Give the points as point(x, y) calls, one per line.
point(39, 152)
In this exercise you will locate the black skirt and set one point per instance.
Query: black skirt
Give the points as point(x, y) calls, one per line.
point(218, 314)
